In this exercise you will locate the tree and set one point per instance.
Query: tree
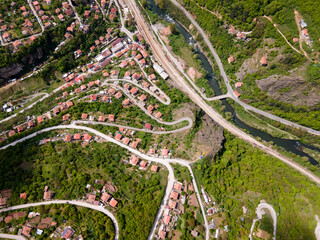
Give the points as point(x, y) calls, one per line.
point(135, 38)
point(173, 28)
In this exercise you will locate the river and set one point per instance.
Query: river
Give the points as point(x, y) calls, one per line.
point(289, 145)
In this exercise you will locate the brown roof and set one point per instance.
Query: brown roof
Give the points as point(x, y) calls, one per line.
point(105, 197)
point(47, 220)
point(26, 231)
point(42, 226)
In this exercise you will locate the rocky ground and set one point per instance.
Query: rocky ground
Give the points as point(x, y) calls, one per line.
point(291, 89)
point(206, 141)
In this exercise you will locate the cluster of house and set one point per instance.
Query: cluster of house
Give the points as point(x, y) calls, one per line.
point(64, 12)
point(143, 165)
point(4, 197)
point(173, 208)
point(86, 138)
point(94, 9)
point(240, 35)
point(40, 224)
point(106, 198)
point(8, 107)
point(27, 27)
point(164, 152)
point(40, 119)
point(47, 195)
point(113, 13)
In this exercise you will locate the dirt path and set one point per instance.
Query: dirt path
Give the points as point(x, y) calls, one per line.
point(274, 24)
point(301, 38)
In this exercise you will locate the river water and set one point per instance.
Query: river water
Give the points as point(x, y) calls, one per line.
point(293, 146)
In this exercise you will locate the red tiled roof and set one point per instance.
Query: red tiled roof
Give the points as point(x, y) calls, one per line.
point(177, 186)
point(165, 152)
point(118, 136)
point(148, 126)
point(126, 140)
point(143, 164)
point(113, 202)
point(154, 168)
point(174, 195)
point(77, 136)
point(87, 137)
point(23, 195)
point(134, 160)
point(84, 115)
point(166, 219)
point(91, 197)
point(67, 138)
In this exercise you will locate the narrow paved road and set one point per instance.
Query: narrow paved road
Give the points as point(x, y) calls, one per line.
point(75, 13)
point(10, 236)
point(46, 95)
point(72, 202)
point(163, 161)
point(158, 53)
point(36, 15)
point(229, 88)
point(260, 212)
point(142, 129)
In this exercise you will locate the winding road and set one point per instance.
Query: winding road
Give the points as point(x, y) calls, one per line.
point(229, 88)
point(163, 161)
point(72, 202)
point(175, 76)
point(46, 95)
point(260, 212)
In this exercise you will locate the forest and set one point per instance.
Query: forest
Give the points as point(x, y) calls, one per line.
point(240, 175)
point(68, 168)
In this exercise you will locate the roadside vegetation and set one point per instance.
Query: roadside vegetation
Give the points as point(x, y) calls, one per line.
point(240, 175)
point(68, 168)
